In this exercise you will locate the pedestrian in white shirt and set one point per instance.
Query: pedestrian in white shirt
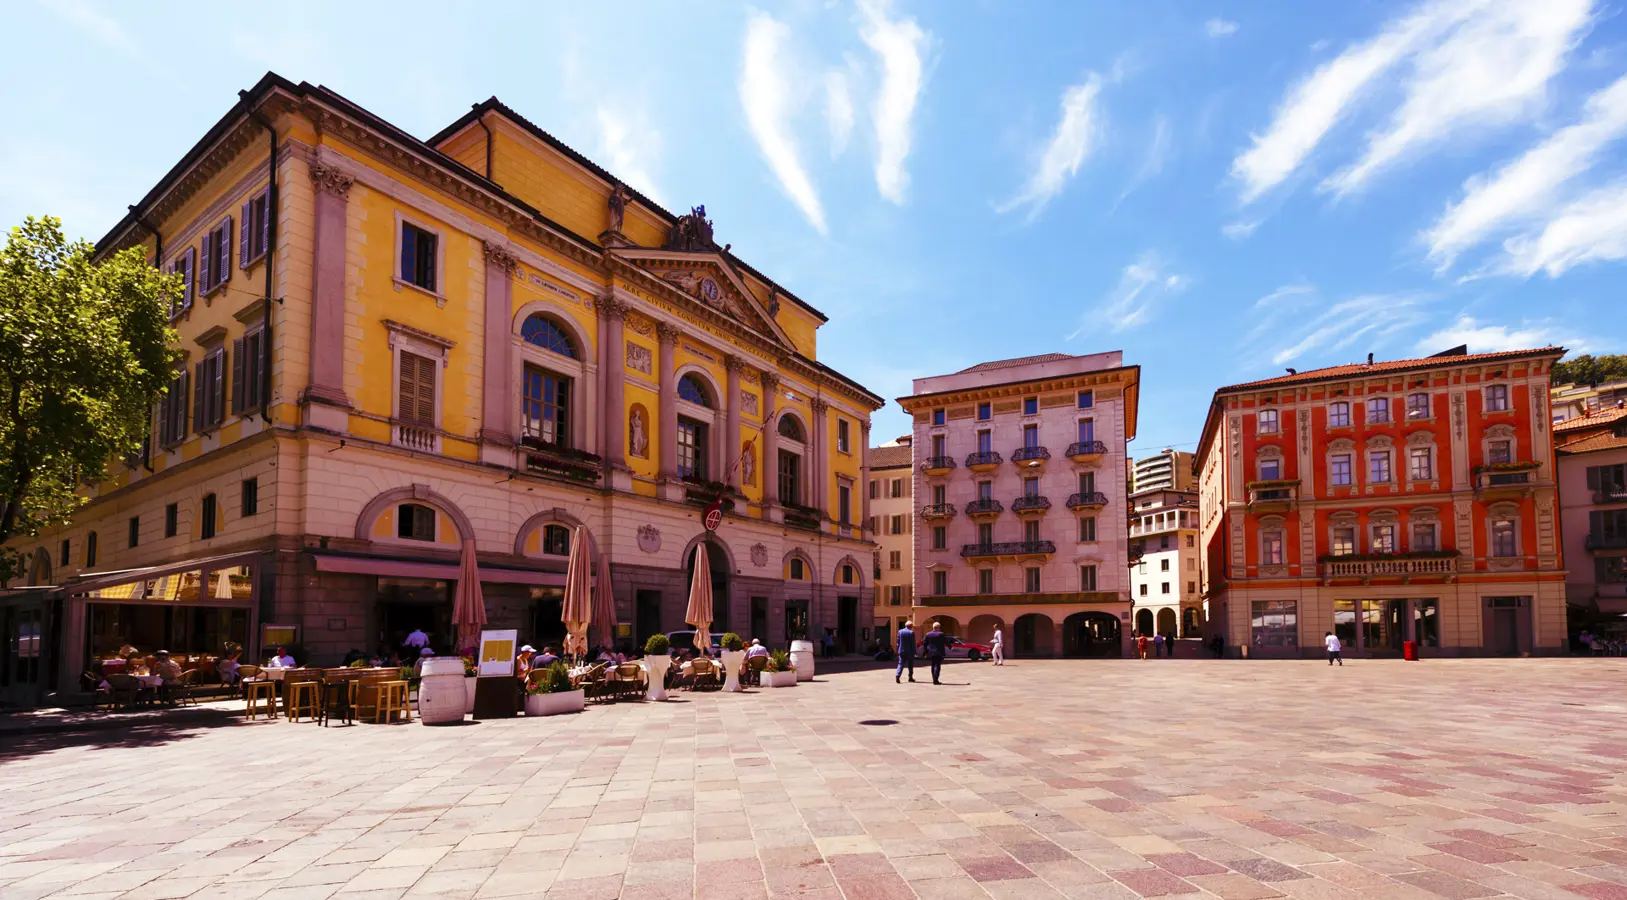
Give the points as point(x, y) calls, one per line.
point(1332, 642)
point(998, 645)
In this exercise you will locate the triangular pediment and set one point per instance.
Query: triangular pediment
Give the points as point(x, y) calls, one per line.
point(707, 278)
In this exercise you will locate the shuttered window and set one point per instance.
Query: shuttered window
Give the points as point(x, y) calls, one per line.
point(172, 411)
point(417, 389)
point(215, 263)
point(209, 391)
point(186, 266)
point(249, 358)
point(255, 235)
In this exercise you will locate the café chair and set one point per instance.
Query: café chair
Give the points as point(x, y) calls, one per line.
point(302, 694)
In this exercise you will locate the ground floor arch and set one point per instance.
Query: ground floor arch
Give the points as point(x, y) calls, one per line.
point(946, 624)
point(1166, 622)
point(1033, 635)
point(1191, 622)
point(717, 560)
point(981, 629)
point(1144, 622)
point(1091, 634)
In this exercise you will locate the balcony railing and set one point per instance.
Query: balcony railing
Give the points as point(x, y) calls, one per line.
point(938, 511)
point(938, 465)
point(560, 462)
point(1397, 565)
point(989, 507)
point(1030, 454)
point(806, 518)
point(1008, 548)
point(1613, 494)
point(423, 438)
point(1087, 500)
point(1083, 450)
point(985, 460)
point(1030, 503)
point(1278, 494)
point(1598, 541)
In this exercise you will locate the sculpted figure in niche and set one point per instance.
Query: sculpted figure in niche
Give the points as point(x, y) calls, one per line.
point(618, 206)
point(748, 468)
point(638, 439)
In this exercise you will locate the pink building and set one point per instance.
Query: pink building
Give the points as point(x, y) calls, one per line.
point(1020, 502)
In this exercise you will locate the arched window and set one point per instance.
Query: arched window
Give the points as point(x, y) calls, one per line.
point(694, 390)
point(847, 574)
point(556, 540)
point(792, 429)
point(415, 522)
point(544, 333)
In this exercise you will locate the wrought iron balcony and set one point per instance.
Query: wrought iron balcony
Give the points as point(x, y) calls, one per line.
point(560, 462)
point(1086, 451)
point(1008, 548)
point(1598, 541)
point(980, 509)
point(1027, 456)
point(1030, 503)
point(1087, 500)
point(938, 511)
point(803, 517)
point(938, 465)
point(983, 462)
point(1612, 494)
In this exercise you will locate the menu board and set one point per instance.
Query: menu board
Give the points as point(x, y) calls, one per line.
point(497, 652)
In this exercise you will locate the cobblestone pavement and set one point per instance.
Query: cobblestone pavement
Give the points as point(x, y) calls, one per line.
point(1107, 779)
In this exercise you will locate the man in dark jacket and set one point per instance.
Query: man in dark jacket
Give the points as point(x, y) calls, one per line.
point(905, 649)
point(937, 647)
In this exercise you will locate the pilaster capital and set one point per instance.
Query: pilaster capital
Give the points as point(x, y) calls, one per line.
point(329, 180)
point(667, 333)
point(500, 256)
point(612, 308)
point(864, 424)
point(770, 381)
point(733, 363)
point(818, 406)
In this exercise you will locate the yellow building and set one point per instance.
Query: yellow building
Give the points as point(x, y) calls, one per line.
point(892, 521)
point(480, 337)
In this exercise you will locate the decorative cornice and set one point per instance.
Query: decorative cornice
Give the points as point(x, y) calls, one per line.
point(330, 180)
point(667, 333)
point(500, 256)
point(420, 334)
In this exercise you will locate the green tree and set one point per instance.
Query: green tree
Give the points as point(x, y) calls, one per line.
point(84, 353)
point(1587, 369)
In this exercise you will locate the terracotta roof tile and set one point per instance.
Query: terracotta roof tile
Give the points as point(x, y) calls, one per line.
point(1591, 420)
point(895, 457)
point(1382, 366)
point(1605, 441)
point(1013, 363)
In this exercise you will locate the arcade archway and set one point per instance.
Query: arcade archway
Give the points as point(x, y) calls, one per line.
point(1090, 634)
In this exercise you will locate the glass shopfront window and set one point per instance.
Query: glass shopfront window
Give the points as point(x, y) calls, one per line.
point(1344, 622)
point(1426, 622)
point(1276, 624)
point(198, 616)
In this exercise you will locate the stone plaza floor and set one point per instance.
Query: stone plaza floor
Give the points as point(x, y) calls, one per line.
point(1098, 779)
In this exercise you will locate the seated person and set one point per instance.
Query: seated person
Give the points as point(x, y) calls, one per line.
point(547, 658)
point(227, 665)
point(418, 667)
point(353, 657)
point(166, 668)
point(281, 660)
point(522, 663)
point(756, 649)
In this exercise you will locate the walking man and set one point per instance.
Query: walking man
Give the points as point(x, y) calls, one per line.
point(1334, 647)
point(906, 652)
point(1141, 645)
point(1158, 645)
point(998, 646)
point(937, 646)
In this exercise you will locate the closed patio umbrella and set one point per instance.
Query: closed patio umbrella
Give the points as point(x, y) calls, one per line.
point(699, 613)
point(469, 605)
point(604, 604)
point(577, 611)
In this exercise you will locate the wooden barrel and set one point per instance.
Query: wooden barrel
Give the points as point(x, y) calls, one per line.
point(441, 694)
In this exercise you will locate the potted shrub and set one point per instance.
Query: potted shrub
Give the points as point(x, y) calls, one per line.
point(734, 656)
point(551, 693)
point(656, 662)
point(780, 672)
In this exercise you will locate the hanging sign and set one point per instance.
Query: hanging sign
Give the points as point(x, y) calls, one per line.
point(713, 516)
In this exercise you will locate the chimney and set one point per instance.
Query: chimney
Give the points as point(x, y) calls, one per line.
point(1369, 359)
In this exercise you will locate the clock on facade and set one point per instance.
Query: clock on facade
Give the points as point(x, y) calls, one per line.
point(709, 290)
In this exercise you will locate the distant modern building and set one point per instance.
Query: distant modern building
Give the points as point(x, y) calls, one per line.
point(1403, 500)
point(1169, 470)
point(1164, 593)
point(892, 521)
point(1592, 453)
point(1572, 400)
point(1019, 483)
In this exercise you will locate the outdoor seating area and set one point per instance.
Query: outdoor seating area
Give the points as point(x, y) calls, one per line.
point(349, 695)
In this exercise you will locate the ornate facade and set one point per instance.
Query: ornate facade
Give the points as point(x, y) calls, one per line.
point(398, 346)
point(1410, 500)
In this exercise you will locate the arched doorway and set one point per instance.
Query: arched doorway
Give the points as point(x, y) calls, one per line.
point(717, 559)
point(1189, 623)
point(1032, 635)
point(1091, 634)
point(1144, 622)
point(981, 629)
point(1166, 622)
point(947, 624)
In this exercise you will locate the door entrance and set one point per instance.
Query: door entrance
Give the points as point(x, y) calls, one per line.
point(718, 562)
point(1505, 631)
point(406, 605)
point(646, 615)
point(759, 619)
point(547, 614)
point(796, 621)
point(847, 624)
point(1091, 634)
point(24, 661)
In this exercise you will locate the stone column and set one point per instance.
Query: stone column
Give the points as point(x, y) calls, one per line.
point(770, 468)
point(612, 381)
point(864, 482)
point(818, 489)
point(326, 405)
point(497, 431)
point(667, 337)
point(731, 430)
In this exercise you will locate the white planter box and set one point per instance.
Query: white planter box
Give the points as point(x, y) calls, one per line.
point(469, 694)
point(780, 679)
point(555, 703)
point(732, 661)
point(655, 668)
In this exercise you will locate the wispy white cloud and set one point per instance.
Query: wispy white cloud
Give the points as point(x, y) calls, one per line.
point(1493, 67)
point(1142, 285)
point(1284, 294)
point(1371, 319)
point(632, 149)
point(1486, 338)
point(1240, 229)
point(900, 45)
point(1592, 228)
point(1218, 28)
point(1064, 152)
point(1152, 163)
point(1527, 187)
point(765, 96)
point(1277, 307)
point(838, 110)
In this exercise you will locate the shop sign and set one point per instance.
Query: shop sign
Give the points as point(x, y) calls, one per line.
point(497, 652)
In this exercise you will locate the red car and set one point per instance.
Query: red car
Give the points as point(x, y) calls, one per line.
point(959, 649)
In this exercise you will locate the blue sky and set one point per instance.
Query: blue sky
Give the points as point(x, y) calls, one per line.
point(1220, 190)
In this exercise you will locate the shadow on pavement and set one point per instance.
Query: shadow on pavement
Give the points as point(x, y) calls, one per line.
point(112, 736)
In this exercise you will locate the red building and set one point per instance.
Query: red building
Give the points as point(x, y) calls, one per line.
point(1386, 502)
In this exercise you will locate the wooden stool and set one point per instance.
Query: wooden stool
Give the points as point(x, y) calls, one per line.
point(392, 699)
point(257, 690)
point(304, 698)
